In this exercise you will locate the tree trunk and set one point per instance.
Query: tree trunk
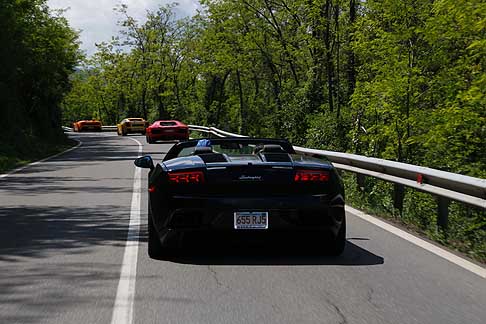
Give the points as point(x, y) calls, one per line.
point(221, 98)
point(337, 85)
point(351, 58)
point(329, 61)
point(160, 104)
point(242, 127)
point(144, 103)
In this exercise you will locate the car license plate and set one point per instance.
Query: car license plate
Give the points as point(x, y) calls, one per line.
point(251, 220)
point(169, 130)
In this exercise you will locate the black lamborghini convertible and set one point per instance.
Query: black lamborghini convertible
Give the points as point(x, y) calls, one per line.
point(244, 186)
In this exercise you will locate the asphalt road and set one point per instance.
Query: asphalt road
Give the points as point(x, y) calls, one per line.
point(63, 231)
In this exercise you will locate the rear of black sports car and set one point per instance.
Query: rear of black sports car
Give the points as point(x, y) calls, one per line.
point(272, 191)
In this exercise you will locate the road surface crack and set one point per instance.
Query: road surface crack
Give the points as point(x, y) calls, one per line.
point(276, 309)
point(369, 297)
point(339, 312)
point(214, 274)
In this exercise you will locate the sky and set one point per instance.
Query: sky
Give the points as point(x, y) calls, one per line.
point(98, 22)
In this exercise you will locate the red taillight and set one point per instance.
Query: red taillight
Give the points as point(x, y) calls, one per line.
point(151, 189)
point(311, 176)
point(186, 177)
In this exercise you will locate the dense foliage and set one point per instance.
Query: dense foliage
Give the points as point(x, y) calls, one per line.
point(398, 79)
point(38, 53)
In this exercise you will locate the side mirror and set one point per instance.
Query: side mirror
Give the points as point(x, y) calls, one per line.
point(144, 162)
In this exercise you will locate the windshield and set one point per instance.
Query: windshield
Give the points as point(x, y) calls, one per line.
point(167, 123)
point(229, 146)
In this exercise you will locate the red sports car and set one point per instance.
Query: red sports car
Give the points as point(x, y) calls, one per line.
point(167, 130)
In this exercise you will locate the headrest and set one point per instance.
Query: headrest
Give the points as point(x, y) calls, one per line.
point(272, 148)
point(203, 142)
point(202, 150)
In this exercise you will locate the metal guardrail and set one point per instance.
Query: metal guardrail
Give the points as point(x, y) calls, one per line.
point(103, 128)
point(108, 128)
point(445, 185)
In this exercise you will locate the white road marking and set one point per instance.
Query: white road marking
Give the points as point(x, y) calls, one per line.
point(41, 161)
point(474, 268)
point(125, 295)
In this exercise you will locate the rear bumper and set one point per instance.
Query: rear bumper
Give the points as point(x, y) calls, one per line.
point(308, 213)
point(135, 129)
point(169, 136)
point(89, 128)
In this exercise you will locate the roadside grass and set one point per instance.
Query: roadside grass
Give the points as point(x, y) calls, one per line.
point(466, 232)
point(19, 151)
point(196, 135)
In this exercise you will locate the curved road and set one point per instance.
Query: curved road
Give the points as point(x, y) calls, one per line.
point(63, 233)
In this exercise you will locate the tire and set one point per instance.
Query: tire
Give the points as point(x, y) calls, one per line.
point(155, 249)
point(335, 247)
point(143, 133)
point(124, 132)
point(149, 140)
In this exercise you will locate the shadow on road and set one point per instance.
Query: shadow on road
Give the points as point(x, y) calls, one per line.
point(235, 254)
point(36, 185)
point(37, 231)
point(94, 150)
point(60, 288)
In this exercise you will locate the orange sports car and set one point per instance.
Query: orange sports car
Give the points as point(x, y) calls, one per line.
point(87, 125)
point(132, 125)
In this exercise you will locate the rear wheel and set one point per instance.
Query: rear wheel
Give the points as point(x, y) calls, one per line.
point(335, 247)
point(155, 248)
point(149, 140)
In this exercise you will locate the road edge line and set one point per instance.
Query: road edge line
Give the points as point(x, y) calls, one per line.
point(125, 294)
point(451, 257)
point(5, 175)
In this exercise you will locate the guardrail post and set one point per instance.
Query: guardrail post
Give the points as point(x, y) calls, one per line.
point(443, 213)
point(360, 181)
point(398, 196)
